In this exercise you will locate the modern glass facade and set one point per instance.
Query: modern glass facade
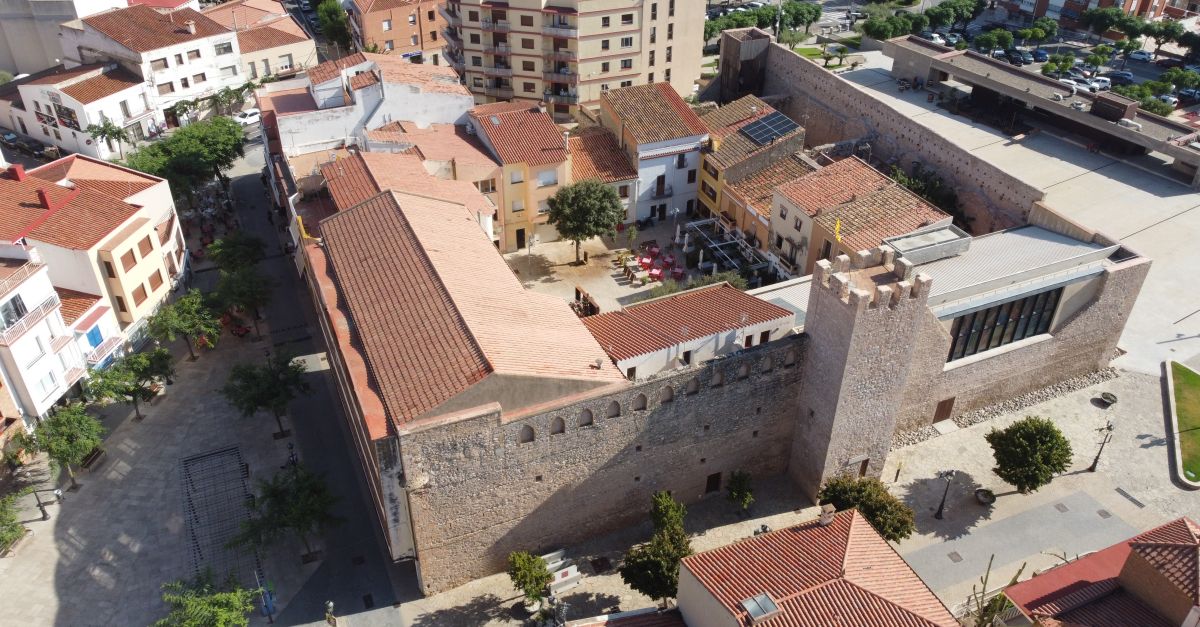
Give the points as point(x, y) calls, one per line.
point(1008, 322)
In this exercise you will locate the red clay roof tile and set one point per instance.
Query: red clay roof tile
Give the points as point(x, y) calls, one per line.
point(595, 154)
point(654, 113)
point(142, 29)
point(520, 133)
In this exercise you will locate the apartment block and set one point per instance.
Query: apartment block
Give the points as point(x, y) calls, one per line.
point(270, 40)
point(568, 52)
point(29, 31)
point(411, 29)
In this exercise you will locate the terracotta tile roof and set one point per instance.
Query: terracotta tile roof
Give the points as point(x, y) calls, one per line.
point(430, 78)
point(873, 217)
point(286, 101)
point(95, 88)
point(363, 175)
point(520, 133)
point(833, 185)
point(654, 113)
point(660, 323)
point(650, 618)
point(724, 124)
point(596, 154)
point(363, 80)
point(459, 316)
point(268, 36)
point(758, 189)
point(388, 5)
point(244, 14)
point(74, 304)
point(330, 70)
point(80, 218)
point(1088, 591)
point(160, 4)
point(142, 29)
point(58, 75)
point(839, 574)
point(94, 175)
point(437, 142)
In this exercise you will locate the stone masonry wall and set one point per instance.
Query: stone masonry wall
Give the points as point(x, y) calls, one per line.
point(1081, 344)
point(477, 492)
point(832, 109)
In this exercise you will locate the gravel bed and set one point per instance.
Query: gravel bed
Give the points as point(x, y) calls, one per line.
point(901, 440)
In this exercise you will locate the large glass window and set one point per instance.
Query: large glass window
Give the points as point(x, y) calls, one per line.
point(1008, 322)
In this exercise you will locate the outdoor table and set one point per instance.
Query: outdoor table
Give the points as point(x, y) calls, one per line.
point(654, 250)
point(669, 260)
point(646, 262)
point(656, 274)
point(676, 273)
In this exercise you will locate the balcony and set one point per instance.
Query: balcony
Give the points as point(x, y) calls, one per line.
point(454, 58)
point(451, 17)
point(662, 191)
point(13, 280)
point(561, 98)
point(498, 92)
point(73, 375)
point(566, 31)
point(106, 348)
point(495, 26)
point(451, 35)
point(560, 55)
point(499, 70)
point(497, 49)
point(14, 332)
point(568, 78)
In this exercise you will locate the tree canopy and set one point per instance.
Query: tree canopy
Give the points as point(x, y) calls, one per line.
point(270, 386)
point(1100, 21)
point(585, 210)
point(653, 568)
point(528, 574)
point(190, 317)
point(193, 154)
point(246, 289)
point(295, 500)
point(67, 436)
point(335, 23)
point(887, 514)
point(740, 490)
point(106, 131)
point(132, 377)
point(1029, 452)
point(200, 603)
point(236, 251)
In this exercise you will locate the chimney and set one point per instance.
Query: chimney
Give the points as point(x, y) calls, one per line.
point(17, 171)
point(541, 106)
point(828, 511)
point(44, 199)
point(191, 26)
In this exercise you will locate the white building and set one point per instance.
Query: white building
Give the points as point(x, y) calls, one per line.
point(336, 102)
point(181, 55)
point(270, 40)
point(58, 105)
point(29, 30)
point(663, 137)
point(687, 328)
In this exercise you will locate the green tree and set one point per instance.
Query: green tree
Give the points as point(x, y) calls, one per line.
point(940, 16)
point(184, 108)
point(222, 102)
point(1004, 39)
point(888, 515)
point(1147, 96)
point(585, 210)
point(11, 528)
point(200, 603)
point(334, 22)
point(712, 28)
point(132, 378)
point(1029, 453)
point(246, 289)
point(529, 575)
point(1191, 41)
point(207, 148)
point(236, 251)
point(1048, 26)
point(1100, 21)
point(653, 568)
point(295, 500)
point(1133, 26)
point(189, 317)
point(108, 132)
point(792, 38)
point(5, 77)
point(1100, 56)
point(1127, 47)
point(985, 42)
point(270, 386)
point(842, 52)
point(669, 286)
point(877, 28)
point(741, 492)
point(67, 437)
point(797, 14)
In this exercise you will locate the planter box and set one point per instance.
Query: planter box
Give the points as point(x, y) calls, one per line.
point(1180, 473)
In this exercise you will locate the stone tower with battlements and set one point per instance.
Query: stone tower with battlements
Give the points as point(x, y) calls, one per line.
point(862, 323)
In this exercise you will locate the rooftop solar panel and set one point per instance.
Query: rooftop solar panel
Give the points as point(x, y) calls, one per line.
point(769, 128)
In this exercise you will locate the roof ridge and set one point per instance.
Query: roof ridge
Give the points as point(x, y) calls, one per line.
point(889, 602)
point(858, 515)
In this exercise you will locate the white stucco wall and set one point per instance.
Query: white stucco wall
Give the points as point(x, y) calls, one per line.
point(137, 98)
point(31, 358)
point(704, 349)
point(698, 606)
point(29, 30)
point(651, 166)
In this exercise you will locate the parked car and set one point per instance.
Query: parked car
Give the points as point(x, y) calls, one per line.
point(1192, 68)
point(248, 116)
point(1103, 83)
point(1040, 55)
point(1190, 94)
point(32, 147)
point(1169, 99)
point(1168, 62)
point(1027, 57)
point(1014, 57)
point(1070, 84)
point(999, 54)
point(305, 6)
point(1140, 55)
point(952, 39)
point(856, 15)
point(9, 140)
point(1077, 72)
point(1087, 85)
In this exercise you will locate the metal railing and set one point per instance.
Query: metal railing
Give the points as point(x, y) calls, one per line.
point(13, 333)
point(662, 192)
point(497, 71)
point(561, 77)
point(15, 279)
point(104, 349)
point(498, 26)
point(560, 55)
point(452, 18)
point(497, 49)
point(562, 98)
point(498, 92)
point(560, 30)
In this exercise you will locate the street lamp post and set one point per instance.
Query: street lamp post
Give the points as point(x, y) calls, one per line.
point(948, 476)
point(58, 495)
point(1107, 430)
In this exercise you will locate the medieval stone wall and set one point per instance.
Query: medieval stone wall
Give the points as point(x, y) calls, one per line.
point(478, 489)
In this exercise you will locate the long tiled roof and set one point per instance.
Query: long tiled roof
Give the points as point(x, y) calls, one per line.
point(436, 142)
point(369, 6)
point(595, 154)
point(98, 176)
point(521, 133)
point(833, 185)
point(60, 74)
point(92, 89)
point(363, 175)
point(242, 14)
point(842, 573)
point(74, 304)
point(458, 316)
point(270, 35)
point(724, 124)
point(142, 29)
point(430, 78)
point(869, 219)
point(654, 113)
point(758, 189)
point(79, 219)
point(330, 70)
point(653, 325)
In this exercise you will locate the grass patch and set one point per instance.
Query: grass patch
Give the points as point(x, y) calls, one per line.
point(853, 42)
point(712, 63)
point(815, 55)
point(1187, 410)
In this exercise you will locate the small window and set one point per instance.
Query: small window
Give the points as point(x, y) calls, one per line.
point(526, 20)
point(527, 43)
point(604, 44)
point(626, 64)
point(782, 212)
point(226, 48)
point(121, 304)
point(387, 25)
point(670, 35)
point(614, 410)
point(474, 38)
point(412, 20)
point(183, 82)
point(626, 83)
point(693, 387)
point(229, 70)
point(412, 40)
point(623, 191)
point(156, 280)
point(528, 87)
point(631, 373)
point(667, 395)
point(159, 64)
point(718, 379)
point(476, 61)
point(139, 295)
point(389, 44)
point(789, 359)
point(768, 364)
point(429, 16)
point(585, 418)
point(486, 186)
point(547, 178)
point(691, 176)
point(604, 66)
point(627, 42)
point(526, 435)
point(605, 22)
point(654, 10)
point(650, 62)
point(687, 358)
point(193, 55)
point(109, 271)
point(179, 59)
point(744, 371)
point(166, 88)
point(199, 78)
point(145, 246)
point(557, 426)
point(128, 261)
point(627, 19)
point(528, 66)
point(517, 176)
point(639, 402)
point(472, 16)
